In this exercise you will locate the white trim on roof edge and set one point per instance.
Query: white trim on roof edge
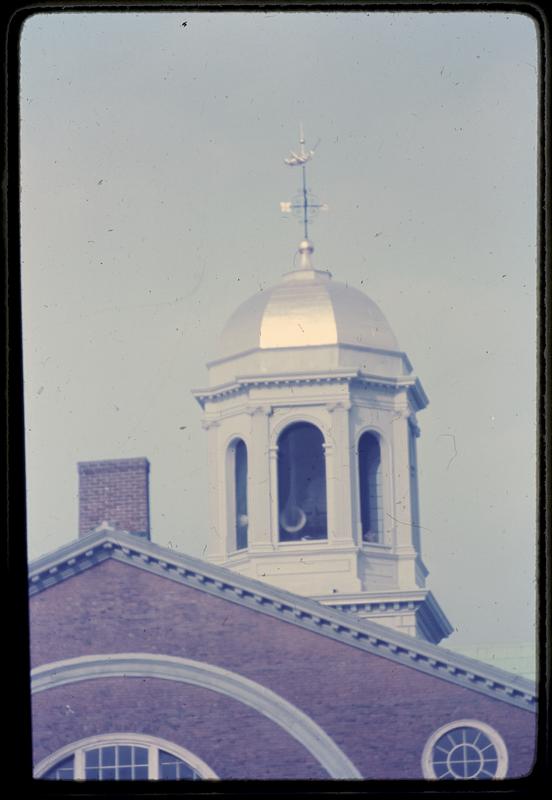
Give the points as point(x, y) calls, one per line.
point(198, 673)
point(342, 626)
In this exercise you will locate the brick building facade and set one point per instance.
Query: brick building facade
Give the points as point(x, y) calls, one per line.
point(241, 680)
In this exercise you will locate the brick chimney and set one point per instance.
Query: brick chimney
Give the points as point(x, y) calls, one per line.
point(114, 494)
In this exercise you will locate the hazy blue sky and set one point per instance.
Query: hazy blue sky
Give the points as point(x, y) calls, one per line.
point(152, 170)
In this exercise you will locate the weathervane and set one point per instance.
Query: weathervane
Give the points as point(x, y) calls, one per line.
point(304, 202)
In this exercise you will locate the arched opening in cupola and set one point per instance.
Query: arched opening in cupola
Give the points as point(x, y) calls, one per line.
point(369, 474)
point(237, 492)
point(302, 506)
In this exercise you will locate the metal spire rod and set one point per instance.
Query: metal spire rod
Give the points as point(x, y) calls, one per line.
point(302, 204)
point(305, 203)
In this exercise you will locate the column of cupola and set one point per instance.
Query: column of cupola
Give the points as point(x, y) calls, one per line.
point(402, 505)
point(217, 545)
point(339, 475)
point(260, 475)
point(402, 508)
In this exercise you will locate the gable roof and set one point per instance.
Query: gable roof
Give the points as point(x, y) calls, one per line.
point(84, 553)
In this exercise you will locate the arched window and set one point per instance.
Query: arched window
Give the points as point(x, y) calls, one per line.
point(242, 520)
point(301, 483)
point(369, 474)
point(123, 757)
point(237, 471)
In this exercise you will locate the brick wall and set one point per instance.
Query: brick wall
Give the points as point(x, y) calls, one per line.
point(380, 713)
point(116, 492)
point(233, 739)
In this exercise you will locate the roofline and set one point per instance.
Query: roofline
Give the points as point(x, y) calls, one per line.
point(73, 558)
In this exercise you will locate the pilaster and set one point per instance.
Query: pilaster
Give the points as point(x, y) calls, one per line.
point(402, 508)
point(217, 546)
point(273, 493)
point(413, 434)
point(338, 459)
point(259, 477)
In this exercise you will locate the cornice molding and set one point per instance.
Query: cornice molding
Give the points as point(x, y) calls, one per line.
point(344, 627)
point(355, 378)
point(244, 382)
point(428, 614)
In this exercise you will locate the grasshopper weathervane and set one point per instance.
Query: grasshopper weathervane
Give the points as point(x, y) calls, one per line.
point(304, 204)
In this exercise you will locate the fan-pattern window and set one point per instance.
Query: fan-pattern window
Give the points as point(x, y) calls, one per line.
point(172, 768)
point(62, 771)
point(369, 475)
point(301, 483)
point(116, 763)
point(124, 762)
point(469, 751)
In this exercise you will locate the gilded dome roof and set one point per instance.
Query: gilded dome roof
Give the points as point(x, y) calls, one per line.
point(306, 308)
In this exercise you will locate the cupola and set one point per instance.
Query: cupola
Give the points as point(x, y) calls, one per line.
point(311, 424)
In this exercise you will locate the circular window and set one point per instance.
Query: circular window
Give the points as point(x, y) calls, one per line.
point(465, 750)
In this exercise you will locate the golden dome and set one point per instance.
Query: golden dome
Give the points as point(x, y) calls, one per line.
point(307, 308)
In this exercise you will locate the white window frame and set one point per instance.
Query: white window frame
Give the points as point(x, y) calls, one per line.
point(495, 738)
point(154, 745)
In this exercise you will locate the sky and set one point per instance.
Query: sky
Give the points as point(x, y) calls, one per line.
point(151, 176)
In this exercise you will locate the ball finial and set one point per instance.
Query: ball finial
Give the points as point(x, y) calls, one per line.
point(306, 249)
